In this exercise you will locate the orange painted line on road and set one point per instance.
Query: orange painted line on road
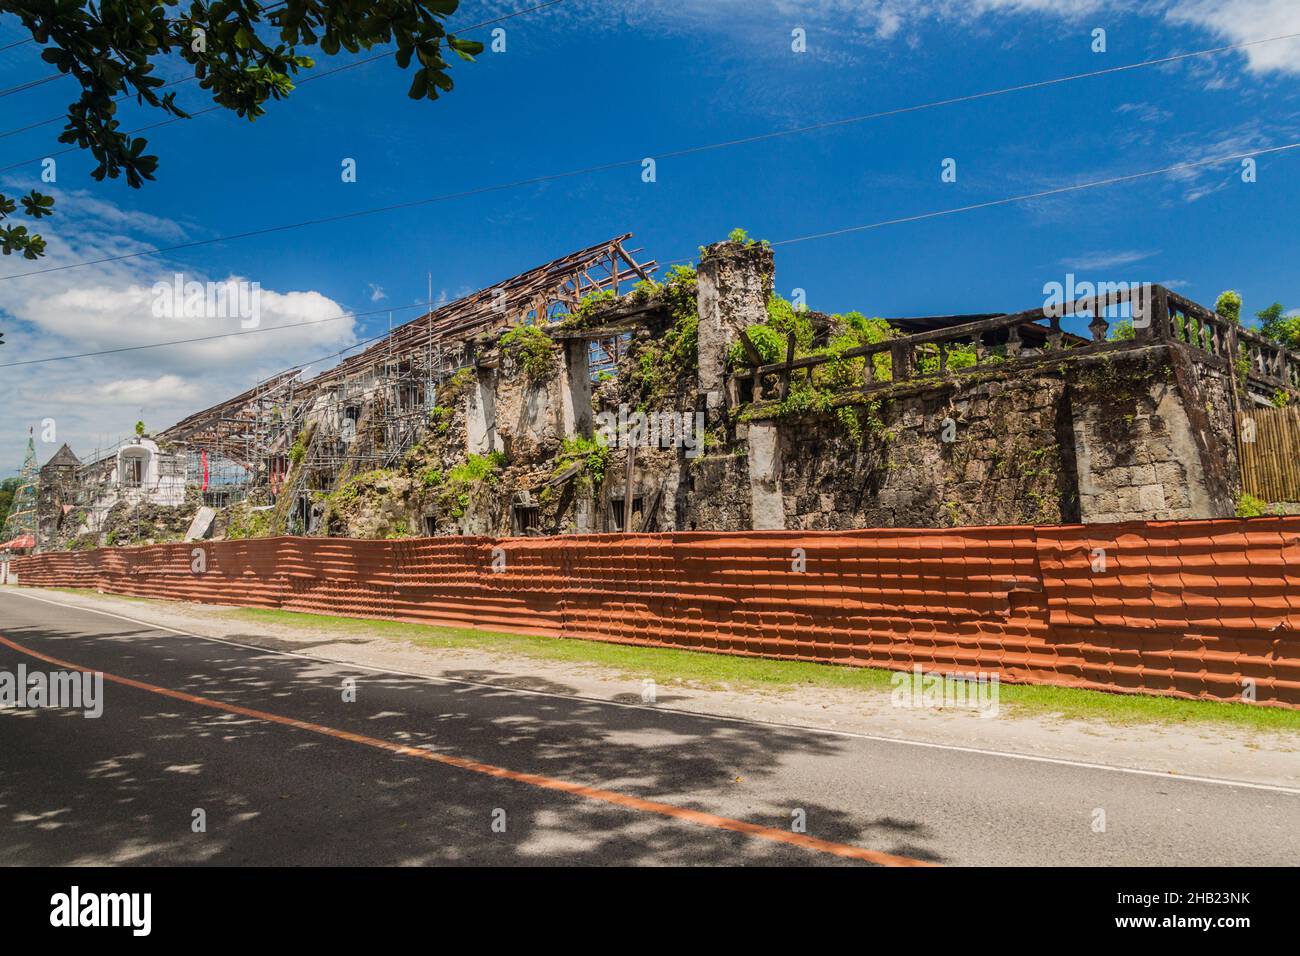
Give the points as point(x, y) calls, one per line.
point(536, 780)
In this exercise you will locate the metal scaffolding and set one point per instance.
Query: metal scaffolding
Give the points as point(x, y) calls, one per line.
point(305, 438)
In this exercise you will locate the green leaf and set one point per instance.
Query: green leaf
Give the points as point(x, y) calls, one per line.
point(460, 45)
point(419, 85)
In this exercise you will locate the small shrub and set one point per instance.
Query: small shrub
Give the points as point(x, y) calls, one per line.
point(767, 340)
point(299, 450)
point(593, 454)
point(1228, 305)
point(589, 309)
point(1248, 506)
point(533, 350)
point(477, 468)
point(469, 476)
point(785, 318)
point(440, 418)
point(1122, 331)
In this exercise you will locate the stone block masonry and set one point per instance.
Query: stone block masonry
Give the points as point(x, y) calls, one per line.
point(1098, 439)
point(481, 418)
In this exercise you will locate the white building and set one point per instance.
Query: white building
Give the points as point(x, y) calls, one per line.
point(140, 474)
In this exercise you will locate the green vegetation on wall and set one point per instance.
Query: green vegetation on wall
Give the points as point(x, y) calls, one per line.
point(1248, 506)
point(739, 237)
point(661, 366)
point(299, 449)
point(533, 349)
point(832, 378)
point(589, 309)
point(461, 482)
point(593, 454)
point(440, 419)
point(244, 522)
point(279, 520)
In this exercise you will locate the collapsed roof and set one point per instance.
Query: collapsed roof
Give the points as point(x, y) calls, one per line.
point(558, 285)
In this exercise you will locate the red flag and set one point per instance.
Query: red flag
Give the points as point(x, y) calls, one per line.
point(203, 453)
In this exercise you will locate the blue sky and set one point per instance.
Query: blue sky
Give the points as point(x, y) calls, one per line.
point(585, 83)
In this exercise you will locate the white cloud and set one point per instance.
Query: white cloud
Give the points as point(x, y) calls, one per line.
point(882, 19)
point(1229, 21)
point(1200, 181)
point(1107, 260)
point(1240, 21)
point(110, 305)
point(1144, 113)
point(106, 214)
point(376, 292)
point(136, 391)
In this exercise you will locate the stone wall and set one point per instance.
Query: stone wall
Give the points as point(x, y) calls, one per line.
point(1137, 432)
point(1149, 446)
point(718, 493)
point(1006, 462)
point(1098, 439)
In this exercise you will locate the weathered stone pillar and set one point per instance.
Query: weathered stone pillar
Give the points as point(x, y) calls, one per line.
point(481, 413)
point(734, 284)
point(767, 501)
point(575, 389)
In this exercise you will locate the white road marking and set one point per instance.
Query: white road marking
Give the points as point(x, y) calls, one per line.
point(702, 715)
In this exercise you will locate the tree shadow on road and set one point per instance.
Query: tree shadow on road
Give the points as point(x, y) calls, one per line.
point(124, 788)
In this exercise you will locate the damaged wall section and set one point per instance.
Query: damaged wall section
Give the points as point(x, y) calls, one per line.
point(718, 406)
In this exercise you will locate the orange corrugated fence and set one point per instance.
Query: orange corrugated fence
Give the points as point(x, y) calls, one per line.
point(1206, 609)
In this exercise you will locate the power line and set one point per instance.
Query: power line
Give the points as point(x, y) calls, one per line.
point(856, 119)
point(1020, 88)
point(190, 79)
point(221, 335)
point(34, 83)
point(62, 116)
point(167, 122)
point(1026, 197)
point(30, 84)
point(605, 167)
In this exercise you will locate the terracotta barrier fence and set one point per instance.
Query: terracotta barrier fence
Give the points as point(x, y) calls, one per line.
point(1206, 609)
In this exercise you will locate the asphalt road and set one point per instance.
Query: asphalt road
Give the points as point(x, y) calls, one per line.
point(417, 772)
